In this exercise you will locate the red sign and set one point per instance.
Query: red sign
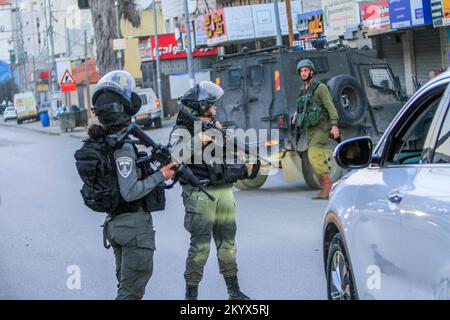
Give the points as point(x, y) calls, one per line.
point(168, 48)
point(375, 16)
point(67, 82)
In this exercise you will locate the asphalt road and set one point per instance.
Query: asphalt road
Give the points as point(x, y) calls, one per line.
point(45, 229)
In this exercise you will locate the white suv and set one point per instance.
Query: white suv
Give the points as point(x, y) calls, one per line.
point(9, 114)
point(387, 226)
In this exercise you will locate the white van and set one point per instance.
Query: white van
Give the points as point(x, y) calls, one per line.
point(150, 112)
point(25, 105)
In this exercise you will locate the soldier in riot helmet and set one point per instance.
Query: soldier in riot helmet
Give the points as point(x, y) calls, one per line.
point(129, 228)
point(318, 115)
point(207, 219)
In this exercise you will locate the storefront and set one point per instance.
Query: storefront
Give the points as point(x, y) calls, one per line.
point(402, 32)
point(173, 62)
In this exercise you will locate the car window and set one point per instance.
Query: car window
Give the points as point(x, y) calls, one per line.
point(442, 149)
point(256, 75)
point(381, 78)
point(407, 145)
point(234, 78)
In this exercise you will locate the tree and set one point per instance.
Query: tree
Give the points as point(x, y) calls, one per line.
point(105, 29)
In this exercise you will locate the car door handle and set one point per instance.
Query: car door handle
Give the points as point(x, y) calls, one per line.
point(395, 197)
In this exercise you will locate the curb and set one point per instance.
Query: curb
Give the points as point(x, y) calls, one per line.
point(31, 129)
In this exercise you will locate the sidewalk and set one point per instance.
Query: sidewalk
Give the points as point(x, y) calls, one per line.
point(53, 129)
point(80, 132)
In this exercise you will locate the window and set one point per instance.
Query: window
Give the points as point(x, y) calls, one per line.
point(442, 152)
point(381, 78)
point(256, 75)
point(408, 144)
point(143, 99)
point(234, 78)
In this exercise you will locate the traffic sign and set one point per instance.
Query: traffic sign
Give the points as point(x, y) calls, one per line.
point(67, 82)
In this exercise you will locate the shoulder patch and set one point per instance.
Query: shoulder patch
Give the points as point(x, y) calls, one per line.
point(125, 166)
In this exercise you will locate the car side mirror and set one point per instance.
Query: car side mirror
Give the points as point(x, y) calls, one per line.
point(355, 153)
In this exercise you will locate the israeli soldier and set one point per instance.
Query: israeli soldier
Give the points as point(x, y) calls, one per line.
point(317, 113)
point(206, 219)
point(129, 229)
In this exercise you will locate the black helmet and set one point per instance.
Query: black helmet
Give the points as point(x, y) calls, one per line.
point(114, 100)
point(202, 96)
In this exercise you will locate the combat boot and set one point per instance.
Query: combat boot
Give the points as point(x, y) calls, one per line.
point(327, 183)
point(191, 292)
point(233, 289)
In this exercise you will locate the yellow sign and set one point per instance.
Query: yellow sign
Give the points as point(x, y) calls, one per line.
point(42, 87)
point(446, 8)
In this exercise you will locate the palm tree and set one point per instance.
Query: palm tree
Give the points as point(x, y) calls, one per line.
point(105, 29)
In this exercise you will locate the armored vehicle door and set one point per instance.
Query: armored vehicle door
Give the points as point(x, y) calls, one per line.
point(248, 84)
point(382, 92)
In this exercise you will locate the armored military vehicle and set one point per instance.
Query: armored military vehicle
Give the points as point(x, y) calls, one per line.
point(262, 86)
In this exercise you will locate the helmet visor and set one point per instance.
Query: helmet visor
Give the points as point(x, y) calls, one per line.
point(209, 91)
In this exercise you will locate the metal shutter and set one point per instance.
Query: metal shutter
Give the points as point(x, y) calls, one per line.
point(427, 47)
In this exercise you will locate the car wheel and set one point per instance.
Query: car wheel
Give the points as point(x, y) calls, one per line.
point(313, 180)
point(349, 99)
point(19, 122)
point(249, 184)
point(340, 285)
point(158, 123)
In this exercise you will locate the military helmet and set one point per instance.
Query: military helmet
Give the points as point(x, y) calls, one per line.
point(114, 99)
point(201, 97)
point(306, 63)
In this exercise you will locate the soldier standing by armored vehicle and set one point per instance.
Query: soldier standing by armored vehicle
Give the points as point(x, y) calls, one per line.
point(318, 118)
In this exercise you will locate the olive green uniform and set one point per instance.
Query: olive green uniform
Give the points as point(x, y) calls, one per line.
point(318, 134)
point(131, 233)
point(205, 220)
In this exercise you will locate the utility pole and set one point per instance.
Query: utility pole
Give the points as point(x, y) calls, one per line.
point(52, 42)
point(189, 53)
point(158, 65)
point(86, 65)
point(278, 23)
point(289, 20)
point(119, 52)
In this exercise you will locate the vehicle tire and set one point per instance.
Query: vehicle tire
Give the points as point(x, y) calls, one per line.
point(158, 123)
point(19, 121)
point(340, 283)
point(313, 180)
point(349, 99)
point(250, 184)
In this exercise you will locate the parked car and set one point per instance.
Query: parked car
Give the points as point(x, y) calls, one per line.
point(26, 107)
point(150, 112)
point(387, 226)
point(9, 114)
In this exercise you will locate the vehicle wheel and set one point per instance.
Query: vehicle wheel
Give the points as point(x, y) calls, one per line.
point(349, 99)
point(311, 178)
point(19, 122)
point(158, 123)
point(340, 285)
point(249, 184)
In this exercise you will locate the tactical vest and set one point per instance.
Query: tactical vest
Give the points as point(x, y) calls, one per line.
point(310, 113)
